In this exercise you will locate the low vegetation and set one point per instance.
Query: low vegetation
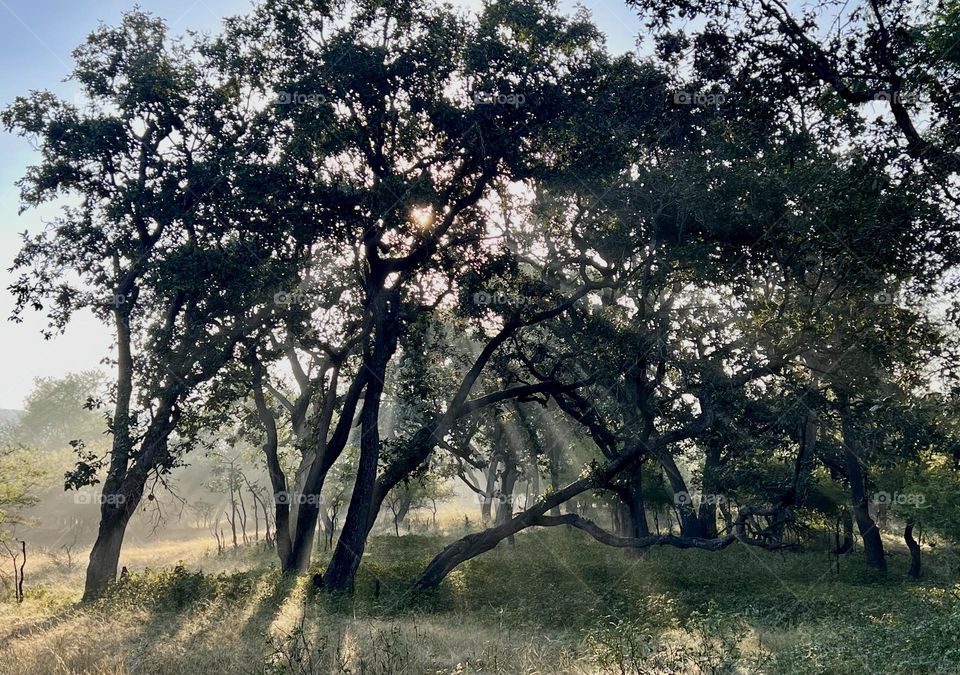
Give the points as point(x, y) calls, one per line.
point(577, 607)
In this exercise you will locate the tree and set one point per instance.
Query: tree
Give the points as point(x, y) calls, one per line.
point(792, 293)
point(59, 410)
point(891, 58)
point(404, 134)
point(168, 238)
point(20, 482)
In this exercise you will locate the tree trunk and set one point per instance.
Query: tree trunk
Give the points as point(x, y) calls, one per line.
point(616, 518)
point(872, 543)
point(105, 555)
point(554, 481)
point(505, 503)
point(686, 514)
point(635, 523)
point(489, 490)
point(727, 515)
point(278, 481)
point(122, 492)
point(709, 498)
point(243, 514)
point(114, 511)
point(914, 548)
point(846, 522)
point(325, 521)
point(473, 545)
point(353, 537)
point(233, 517)
point(301, 546)
point(508, 481)
point(256, 520)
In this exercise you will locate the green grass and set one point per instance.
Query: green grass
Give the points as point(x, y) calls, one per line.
point(555, 602)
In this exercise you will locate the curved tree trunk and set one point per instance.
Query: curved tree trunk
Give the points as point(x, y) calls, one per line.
point(914, 548)
point(872, 543)
point(475, 544)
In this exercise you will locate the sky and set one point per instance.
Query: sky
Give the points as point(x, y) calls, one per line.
point(36, 39)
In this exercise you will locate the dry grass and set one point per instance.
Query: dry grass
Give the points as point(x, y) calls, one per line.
point(555, 603)
point(276, 628)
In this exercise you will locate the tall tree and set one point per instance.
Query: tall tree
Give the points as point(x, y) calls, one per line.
point(165, 235)
point(405, 119)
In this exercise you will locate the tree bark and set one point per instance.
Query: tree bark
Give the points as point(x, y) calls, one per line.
point(105, 555)
point(687, 515)
point(328, 451)
point(709, 498)
point(360, 514)
point(119, 500)
point(473, 545)
point(872, 543)
point(846, 522)
point(278, 481)
point(489, 490)
point(508, 481)
point(636, 510)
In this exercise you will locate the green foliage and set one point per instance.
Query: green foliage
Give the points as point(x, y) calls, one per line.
point(710, 643)
point(179, 588)
point(625, 646)
point(21, 483)
point(60, 410)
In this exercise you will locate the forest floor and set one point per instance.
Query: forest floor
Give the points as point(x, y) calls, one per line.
point(556, 602)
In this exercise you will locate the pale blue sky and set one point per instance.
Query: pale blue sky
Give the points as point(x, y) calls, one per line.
point(36, 38)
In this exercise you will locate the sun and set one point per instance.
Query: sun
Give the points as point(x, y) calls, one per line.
point(422, 216)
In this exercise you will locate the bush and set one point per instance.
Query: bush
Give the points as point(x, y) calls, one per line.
point(178, 588)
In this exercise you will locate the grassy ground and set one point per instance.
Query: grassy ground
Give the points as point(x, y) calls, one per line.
point(555, 603)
